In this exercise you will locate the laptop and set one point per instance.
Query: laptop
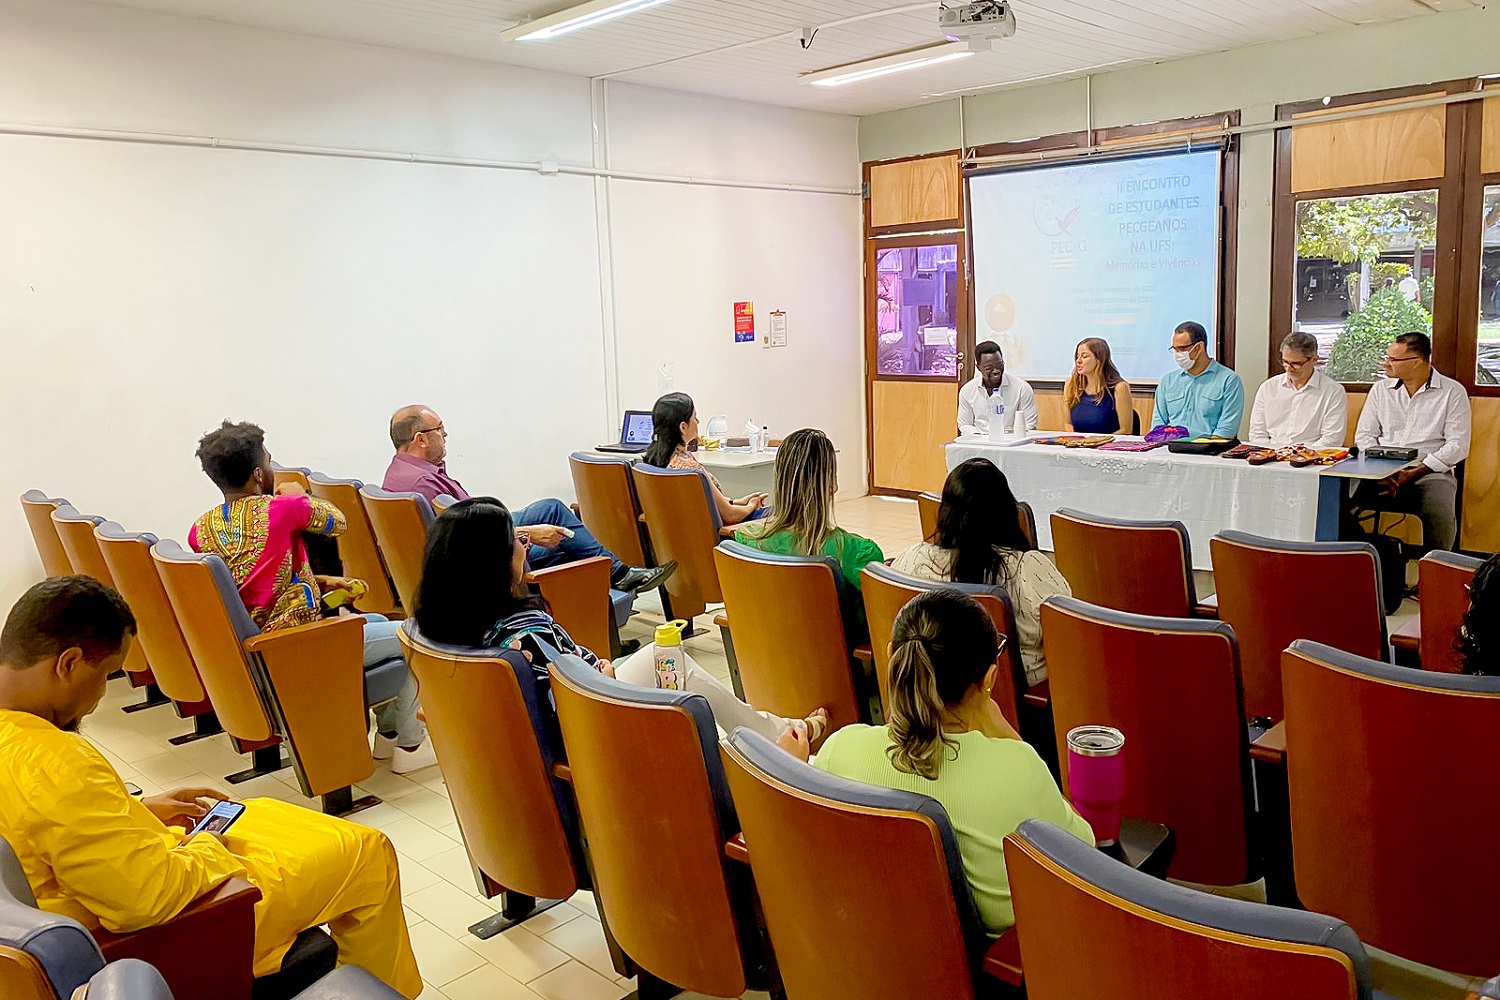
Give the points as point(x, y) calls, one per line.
point(635, 434)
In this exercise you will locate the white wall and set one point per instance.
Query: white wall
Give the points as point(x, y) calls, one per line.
point(148, 291)
point(1253, 80)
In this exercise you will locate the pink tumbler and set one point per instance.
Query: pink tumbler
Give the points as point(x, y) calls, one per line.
point(1096, 778)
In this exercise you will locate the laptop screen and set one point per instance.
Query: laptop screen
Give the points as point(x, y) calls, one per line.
point(637, 428)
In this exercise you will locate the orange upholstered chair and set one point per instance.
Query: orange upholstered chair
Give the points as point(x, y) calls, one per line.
point(493, 733)
point(928, 505)
point(303, 686)
point(358, 550)
point(38, 508)
point(608, 505)
point(785, 632)
point(300, 475)
point(684, 526)
point(656, 816)
point(127, 555)
point(1392, 774)
point(1090, 926)
point(1442, 584)
point(1273, 592)
point(886, 592)
point(400, 522)
point(1172, 686)
point(75, 532)
point(1144, 567)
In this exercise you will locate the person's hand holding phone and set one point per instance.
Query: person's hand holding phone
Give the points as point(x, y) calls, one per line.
point(183, 806)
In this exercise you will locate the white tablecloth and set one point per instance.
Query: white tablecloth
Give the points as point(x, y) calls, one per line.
point(1205, 492)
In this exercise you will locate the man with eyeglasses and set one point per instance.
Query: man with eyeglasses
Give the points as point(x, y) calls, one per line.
point(554, 532)
point(1417, 407)
point(1203, 395)
point(1301, 406)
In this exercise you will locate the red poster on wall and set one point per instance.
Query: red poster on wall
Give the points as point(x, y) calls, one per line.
point(744, 322)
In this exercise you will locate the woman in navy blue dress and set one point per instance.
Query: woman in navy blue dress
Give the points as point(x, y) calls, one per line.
point(1096, 397)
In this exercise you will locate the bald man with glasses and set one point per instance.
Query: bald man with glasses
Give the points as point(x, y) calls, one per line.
point(1416, 406)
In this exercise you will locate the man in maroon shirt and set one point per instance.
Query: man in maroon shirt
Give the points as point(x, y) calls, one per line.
point(555, 532)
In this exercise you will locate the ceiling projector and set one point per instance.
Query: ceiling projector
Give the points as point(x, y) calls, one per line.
point(978, 23)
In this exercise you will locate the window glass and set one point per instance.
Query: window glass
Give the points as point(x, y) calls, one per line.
point(1489, 292)
point(916, 310)
point(1364, 275)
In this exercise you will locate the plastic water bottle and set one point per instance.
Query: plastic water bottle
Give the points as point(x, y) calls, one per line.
point(765, 438)
point(997, 416)
point(670, 672)
point(752, 434)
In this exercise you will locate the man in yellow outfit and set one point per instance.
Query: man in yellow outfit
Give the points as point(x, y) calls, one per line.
point(96, 854)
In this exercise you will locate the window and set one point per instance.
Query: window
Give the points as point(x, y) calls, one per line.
point(916, 311)
point(1364, 274)
point(1488, 369)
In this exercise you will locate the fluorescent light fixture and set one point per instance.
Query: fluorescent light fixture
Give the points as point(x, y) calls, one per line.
point(899, 62)
point(575, 18)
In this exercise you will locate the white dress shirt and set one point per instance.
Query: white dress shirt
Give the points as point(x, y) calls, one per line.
point(1316, 415)
point(1436, 420)
point(974, 404)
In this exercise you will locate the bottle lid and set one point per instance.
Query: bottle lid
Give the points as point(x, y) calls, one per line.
point(670, 633)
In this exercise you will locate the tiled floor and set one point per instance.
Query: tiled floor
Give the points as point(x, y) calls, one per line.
point(559, 954)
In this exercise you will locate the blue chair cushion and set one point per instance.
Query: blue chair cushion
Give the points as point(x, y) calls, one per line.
point(129, 979)
point(61, 945)
point(384, 680)
point(1237, 916)
point(349, 982)
point(624, 606)
point(1433, 679)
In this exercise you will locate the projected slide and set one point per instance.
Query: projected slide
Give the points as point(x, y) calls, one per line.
point(1120, 249)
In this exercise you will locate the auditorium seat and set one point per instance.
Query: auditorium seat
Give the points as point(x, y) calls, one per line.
point(1392, 775)
point(400, 522)
point(492, 728)
point(886, 592)
point(358, 550)
point(862, 887)
point(1273, 592)
point(684, 526)
point(1143, 567)
point(608, 504)
point(75, 532)
point(1443, 580)
point(300, 475)
point(1172, 686)
point(784, 633)
point(127, 555)
point(131, 979)
point(1090, 926)
point(205, 951)
point(38, 508)
point(305, 686)
point(656, 815)
point(928, 505)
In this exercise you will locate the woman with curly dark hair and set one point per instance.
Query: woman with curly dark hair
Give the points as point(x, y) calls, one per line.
point(1478, 639)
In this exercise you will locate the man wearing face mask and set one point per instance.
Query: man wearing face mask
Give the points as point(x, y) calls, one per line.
point(1203, 396)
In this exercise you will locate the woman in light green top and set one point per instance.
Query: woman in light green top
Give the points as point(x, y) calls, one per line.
point(807, 478)
point(946, 738)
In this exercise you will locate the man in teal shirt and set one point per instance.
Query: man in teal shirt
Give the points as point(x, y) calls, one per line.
point(1203, 396)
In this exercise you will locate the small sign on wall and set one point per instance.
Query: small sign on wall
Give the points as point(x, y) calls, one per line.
point(744, 322)
point(777, 336)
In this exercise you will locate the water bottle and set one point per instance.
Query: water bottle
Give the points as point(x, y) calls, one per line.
point(765, 438)
point(997, 416)
point(670, 672)
point(752, 435)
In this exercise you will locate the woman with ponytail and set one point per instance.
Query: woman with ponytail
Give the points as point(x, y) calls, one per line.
point(946, 738)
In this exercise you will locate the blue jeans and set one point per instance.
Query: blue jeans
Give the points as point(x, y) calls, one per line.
point(583, 545)
point(398, 716)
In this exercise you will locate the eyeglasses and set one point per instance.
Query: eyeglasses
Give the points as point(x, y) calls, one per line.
point(432, 430)
point(1388, 360)
point(1297, 366)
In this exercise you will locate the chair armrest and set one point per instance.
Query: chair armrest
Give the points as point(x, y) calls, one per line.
point(1489, 991)
point(578, 595)
point(1271, 747)
point(1039, 695)
point(1409, 635)
point(735, 849)
point(1208, 607)
point(312, 678)
point(727, 531)
point(206, 951)
point(1003, 959)
point(562, 772)
point(721, 620)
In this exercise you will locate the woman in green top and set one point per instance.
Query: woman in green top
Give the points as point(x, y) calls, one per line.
point(807, 477)
point(946, 738)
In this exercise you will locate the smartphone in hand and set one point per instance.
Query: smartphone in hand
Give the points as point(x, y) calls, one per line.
point(218, 819)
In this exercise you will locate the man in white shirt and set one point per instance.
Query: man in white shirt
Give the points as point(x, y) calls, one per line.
point(989, 374)
point(1302, 406)
point(1423, 409)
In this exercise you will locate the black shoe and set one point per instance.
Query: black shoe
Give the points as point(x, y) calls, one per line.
point(628, 646)
point(639, 578)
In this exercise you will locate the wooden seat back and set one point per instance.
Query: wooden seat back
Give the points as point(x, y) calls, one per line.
point(656, 814)
point(490, 730)
point(1172, 686)
point(928, 505)
point(1092, 927)
point(802, 827)
point(75, 531)
point(1143, 567)
point(128, 556)
point(787, 625)
point(1442, 585)
point(608, 505)
point(358, 550)
point(886, 592)
point(38, 508)
point(684, 526)
point(400, 522)
point(1273, 592)
point(1391, 773)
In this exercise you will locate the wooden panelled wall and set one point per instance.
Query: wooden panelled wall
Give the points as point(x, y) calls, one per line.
point(907, 192)
point(1490, 158)
point(1398, 146)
